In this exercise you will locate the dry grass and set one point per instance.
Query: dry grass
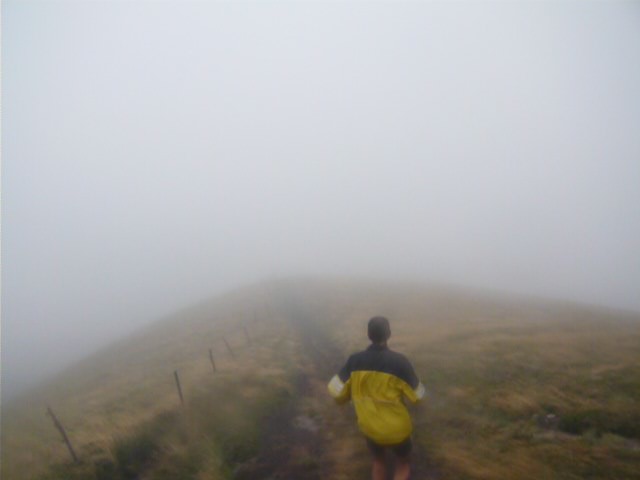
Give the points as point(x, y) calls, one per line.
point(117, 392)
point(493, 367)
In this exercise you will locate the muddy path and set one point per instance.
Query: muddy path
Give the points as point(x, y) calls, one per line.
point(309, 437)
point(292, 446)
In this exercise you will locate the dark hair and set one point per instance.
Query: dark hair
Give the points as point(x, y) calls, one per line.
point(378, 329)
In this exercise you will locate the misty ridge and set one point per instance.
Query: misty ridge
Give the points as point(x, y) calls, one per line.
point(218, 196)
point(235, 387)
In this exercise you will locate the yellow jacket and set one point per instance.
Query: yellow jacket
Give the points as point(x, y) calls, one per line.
point(376, 380)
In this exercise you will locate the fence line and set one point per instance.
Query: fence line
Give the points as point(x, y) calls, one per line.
point(227, 332)
point(213, 363)
point(175, 374)
point(62, 431)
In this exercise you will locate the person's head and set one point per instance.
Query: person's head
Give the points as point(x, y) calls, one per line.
point(379, 330)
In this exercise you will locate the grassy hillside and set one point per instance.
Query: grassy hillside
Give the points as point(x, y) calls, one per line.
point(128, 390)
point(517, 388)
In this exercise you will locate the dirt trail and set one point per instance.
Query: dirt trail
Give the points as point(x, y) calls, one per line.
point(292, 445)
point(309, 438)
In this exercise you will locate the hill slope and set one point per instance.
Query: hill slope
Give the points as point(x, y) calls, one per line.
point(517, 389)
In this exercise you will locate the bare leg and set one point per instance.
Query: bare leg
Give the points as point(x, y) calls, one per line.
point(403, 469)
point(378, 472)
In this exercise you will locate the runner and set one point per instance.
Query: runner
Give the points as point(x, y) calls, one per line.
point(376, 380)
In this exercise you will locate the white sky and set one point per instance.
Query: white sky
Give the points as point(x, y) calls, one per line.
point(155, 153)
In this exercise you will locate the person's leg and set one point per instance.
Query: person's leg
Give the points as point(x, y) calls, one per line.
point(403, 469)
point(378, 471)
point(403, 457)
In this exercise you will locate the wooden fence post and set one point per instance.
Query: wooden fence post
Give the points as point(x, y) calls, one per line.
point(60, 428)
point(246, 334)
point(213, 363)
point(228, 347)
point(175, 374)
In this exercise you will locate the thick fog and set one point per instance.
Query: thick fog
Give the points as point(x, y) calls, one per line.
point(157, 153)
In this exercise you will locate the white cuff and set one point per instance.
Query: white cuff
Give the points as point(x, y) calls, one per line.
point(335, 386)
point(420, 391)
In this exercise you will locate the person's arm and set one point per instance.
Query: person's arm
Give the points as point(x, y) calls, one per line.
point(340, 385)
point(413, 389)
